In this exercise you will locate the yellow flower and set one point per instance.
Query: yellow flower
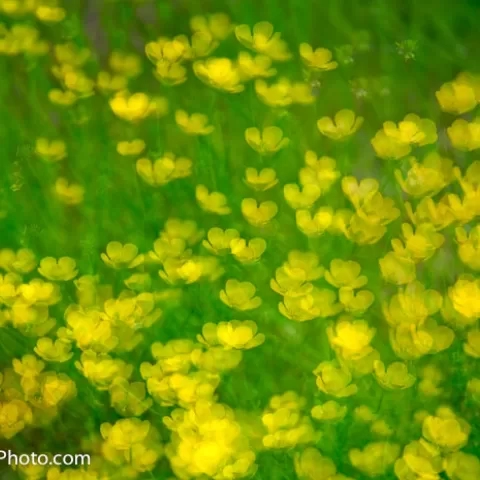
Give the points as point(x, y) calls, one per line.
point(334, 380)
point(318, 303)
point(355, 303)
point(318, 171)
point(290, 285)
point(125, 433)
point(351, 338)
point(70, 54)
point(51, 151)
point(260, 180)
point(301, 198)
point(217, 24)
point(375, 459)
point(412, 305)
point(419, 461)
point(8, 288)
point(122, 256)
point(218, 241)
point(364, 414)
point(412, 342)
point(108, 82)
point(28, 367)
point(201, 44)
point(241, 335)
point(303, 265)
point(270, 140)
point(190, 270)
point(62, 98)
point(457, 98)
point(446, 431)
point(464, 135)
point(250, 252)
point(102, 370)
point(262, 39)
point(421, 245)
point(388, 147)
point(39, 292)
point(194, 124)
point(57, 388)
point(259, 66)
point(473, 389)
point(310, 464)
point(359, 193)
point(276, 95)
point(129, 399)
point(125, 64)
point(439, 215)
point(219, 73)
point(330, 411)
point(345, 274)
point(396, 376)
point(170, 74)
point(58, 351)
point(69, 193)
point(465, 297)
point(462, 466)
point(469, 246)
point(164, 169)
point(139, 282)
point(14, 416)
point(131, 108)
point(240, 295)
point(345, 125)
point(63, 269)
point(318, 59)
point(258, 214)
point(472, 347)
point(22, 261)
point(165, 50)
point(214, 202)
point(412, 130)
point(426, 178)
point(134, 147)
point(316, 225)
point(397, 269)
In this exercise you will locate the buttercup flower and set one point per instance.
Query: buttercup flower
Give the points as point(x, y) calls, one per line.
point(269, 141)
point(220, 73)
point(163, 170)
point(195, 124)
point(260, 180)
point(240, 295)
point(69, 193)
point(239, 335)
point(318, 59)
point(334, 380)
point(344, 125)
point(456, 97)
point(51, 151)
point(465, 135)
point(259, 66)
point(63, 269)
point(445, 430)
point(214, 202)
point(134, 147)
point(258, 214)
point(262, 39)
point(351, 338)
point(131, 108)
point(396, 376)
point(122, 256)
